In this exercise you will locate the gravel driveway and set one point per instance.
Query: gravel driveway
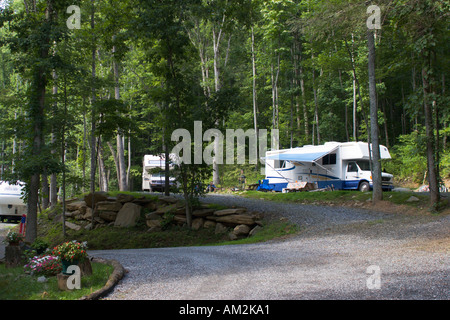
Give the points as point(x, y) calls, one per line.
point(340, 253)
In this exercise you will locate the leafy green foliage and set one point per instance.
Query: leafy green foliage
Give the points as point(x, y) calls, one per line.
point(166, 53)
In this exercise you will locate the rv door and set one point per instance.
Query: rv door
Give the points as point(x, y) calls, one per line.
point(352, 176)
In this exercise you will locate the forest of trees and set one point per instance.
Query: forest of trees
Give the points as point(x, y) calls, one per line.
point(88, 87)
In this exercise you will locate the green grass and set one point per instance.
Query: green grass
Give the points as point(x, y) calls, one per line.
point(16, 285)
point(135, 194)
point(274, 230)
point(110, 237)
point(337, 197)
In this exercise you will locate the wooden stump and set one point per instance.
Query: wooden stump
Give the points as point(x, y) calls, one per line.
point(85, 267)
point(13, 256)
point(62, 281)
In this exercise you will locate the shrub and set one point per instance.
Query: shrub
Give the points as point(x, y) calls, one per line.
point(39, 245)
point(43, 265)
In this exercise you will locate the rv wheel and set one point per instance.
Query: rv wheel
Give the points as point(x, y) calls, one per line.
point(364, 186)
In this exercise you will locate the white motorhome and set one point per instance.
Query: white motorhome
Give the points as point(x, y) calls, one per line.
point(12, 206)
point(339, 165)
point(155, 181)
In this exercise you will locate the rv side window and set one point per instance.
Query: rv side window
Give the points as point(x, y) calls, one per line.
point(329, 159)
point(352, 167)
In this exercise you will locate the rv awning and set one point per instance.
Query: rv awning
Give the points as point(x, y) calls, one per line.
point(303, 154)
point(299, 157)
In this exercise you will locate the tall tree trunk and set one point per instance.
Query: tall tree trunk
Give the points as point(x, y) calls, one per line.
point(53, 179)
point(123, 185)
point(45, 190)
point(376, 175)
point(355, 105)
point(413, 85)
point(103, 177)
point(217, 35)
point(444, 138)
point(385, 125)
point(254, 96)
point(129, 185)
point(316, 105)
point(355, 138)
point(165, 141)
point(275, 111)
point(84, 150)
point(116, 161)
point(37, 106)
point(93, 113)
point(432, 173)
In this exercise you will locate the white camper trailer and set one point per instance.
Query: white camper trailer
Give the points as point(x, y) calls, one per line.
point(155, 181)
point(339, 165)
point(12, 206)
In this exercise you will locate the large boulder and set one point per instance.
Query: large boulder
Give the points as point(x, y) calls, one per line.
point(197, 223)
point(168, 199)
point(164, 209)
point(109, 206)
point(128, 215)
point(88, 214)
point(72, 226)
point(179, 219)
point(209, 224)
point(153, 220)
point(202, 212)
point(241, 230)
point(254, 231)
point(98, 196)
point(79, 205)
point(220, 228)
point(226, 212)
point(236, 219)
point(108, 215)
point(123, 198)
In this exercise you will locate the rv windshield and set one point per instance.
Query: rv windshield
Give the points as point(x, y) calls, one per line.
point(158, 175)
point(363, 165)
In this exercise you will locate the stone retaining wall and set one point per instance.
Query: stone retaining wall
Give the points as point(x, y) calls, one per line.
point(124, 210)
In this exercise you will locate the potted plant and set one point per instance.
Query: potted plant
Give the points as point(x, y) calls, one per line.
point(13, 238)
point(70, 253)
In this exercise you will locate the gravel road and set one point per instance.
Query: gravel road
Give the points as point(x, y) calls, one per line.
point(340, 253)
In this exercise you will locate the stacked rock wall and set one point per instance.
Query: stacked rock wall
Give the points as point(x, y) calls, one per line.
point(124, 210)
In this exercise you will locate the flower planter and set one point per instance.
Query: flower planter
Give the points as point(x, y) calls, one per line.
point(70, 253)
point(13, 238)
point(66, 264)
